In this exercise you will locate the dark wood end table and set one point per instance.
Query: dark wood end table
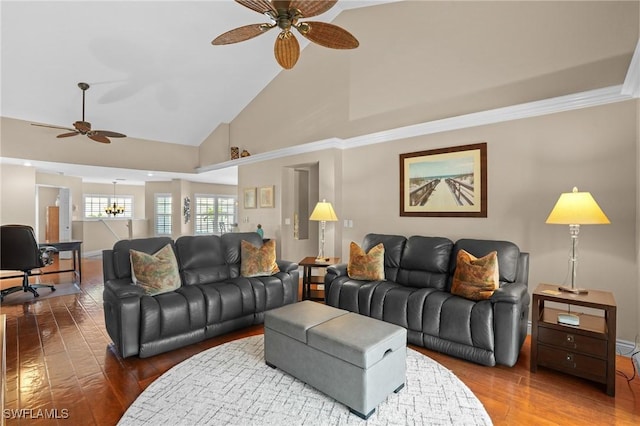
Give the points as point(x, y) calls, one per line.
point(308, 263)
point(587, 350)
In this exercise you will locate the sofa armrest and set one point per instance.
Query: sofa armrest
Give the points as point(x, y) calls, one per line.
point(286, 266)
point(510, 293)
point(510, 313)
point(123, 288)
point(335, 271)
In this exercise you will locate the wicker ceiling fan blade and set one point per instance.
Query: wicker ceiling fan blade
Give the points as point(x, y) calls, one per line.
point(51, 127)
point(287, 50)
point(99, 138)
point(260, 6)
point(281, 4)
point(109, 134)
point(243, 33)
point(328, 35)
point(66, 135)
point(309, 8)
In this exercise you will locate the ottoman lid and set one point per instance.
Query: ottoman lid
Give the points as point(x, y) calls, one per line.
point(294, 320)
point(357, 339)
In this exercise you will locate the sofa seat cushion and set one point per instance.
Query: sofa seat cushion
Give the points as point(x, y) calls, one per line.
point(425, 310)
point(171, 314)
point(273, 291)
point(228, 300)
point(462, 321)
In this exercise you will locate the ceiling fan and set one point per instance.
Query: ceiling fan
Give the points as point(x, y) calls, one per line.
point(286, 15)
point(84, 127)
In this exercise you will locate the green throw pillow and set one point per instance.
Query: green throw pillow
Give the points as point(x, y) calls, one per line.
point(366, 266)
point(156, 273)
point(258, 261)
point(474, 278)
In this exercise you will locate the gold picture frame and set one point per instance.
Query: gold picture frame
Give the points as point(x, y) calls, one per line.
point(250, 198)
point(266, 196)
point(446, 182)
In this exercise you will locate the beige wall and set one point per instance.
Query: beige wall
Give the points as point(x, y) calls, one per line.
point(399, 77)
point(215, 148)
point(421, 61)
point(18, 195)
point(21, 140)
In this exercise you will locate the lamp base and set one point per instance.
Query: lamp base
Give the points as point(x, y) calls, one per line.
point(573, 290)
point(322, 259)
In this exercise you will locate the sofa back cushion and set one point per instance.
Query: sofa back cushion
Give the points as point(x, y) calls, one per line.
point(201, 259)
point(425, 262)
point(122, 257)
point(393, 248)
point(508, 256)
point(232, 248)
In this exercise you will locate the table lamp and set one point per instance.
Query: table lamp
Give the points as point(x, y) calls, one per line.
point(324, 213)
point(575, 209)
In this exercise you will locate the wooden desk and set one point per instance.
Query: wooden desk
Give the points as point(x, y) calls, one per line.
point(308, 279)
point(587, 350)
point(74, 246)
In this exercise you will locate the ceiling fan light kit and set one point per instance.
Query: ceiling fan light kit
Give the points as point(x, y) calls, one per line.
point(285, 15)
point(84, 127)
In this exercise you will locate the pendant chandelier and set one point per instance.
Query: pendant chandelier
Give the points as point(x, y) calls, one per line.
point(114, 210)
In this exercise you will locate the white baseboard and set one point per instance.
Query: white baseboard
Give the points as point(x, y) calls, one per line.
point(623, 347)
point(92, 253)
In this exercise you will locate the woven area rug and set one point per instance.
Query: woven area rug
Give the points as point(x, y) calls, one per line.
point(231, 384)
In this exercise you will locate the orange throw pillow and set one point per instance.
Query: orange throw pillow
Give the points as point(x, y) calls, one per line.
point(366, 266)
point(474, 278)
point(258, 261)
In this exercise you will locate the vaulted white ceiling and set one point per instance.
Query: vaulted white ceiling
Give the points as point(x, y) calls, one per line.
point(152, 69)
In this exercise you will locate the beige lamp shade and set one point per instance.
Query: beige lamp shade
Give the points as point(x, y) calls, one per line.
point(577, 208)
point(323, 212)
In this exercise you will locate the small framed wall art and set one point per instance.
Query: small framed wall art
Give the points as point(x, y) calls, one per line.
point(266, 196)
point(446, 182)
point(250, 198)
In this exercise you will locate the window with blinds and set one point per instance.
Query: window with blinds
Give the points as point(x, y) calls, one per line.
point(94, 205)
point(214, 214)
point(163, 214)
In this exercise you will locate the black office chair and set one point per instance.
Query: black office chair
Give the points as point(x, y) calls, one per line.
point(19, 251)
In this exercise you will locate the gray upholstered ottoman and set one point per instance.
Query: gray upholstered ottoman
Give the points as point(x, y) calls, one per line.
point(354, 359)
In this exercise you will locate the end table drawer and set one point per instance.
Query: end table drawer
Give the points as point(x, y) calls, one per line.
point(573, 342)
point(574, 363)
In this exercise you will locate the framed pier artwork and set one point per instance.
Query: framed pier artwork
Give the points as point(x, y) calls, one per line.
point(445, 182)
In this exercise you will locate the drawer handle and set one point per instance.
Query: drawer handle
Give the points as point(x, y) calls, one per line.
point(570, 341)
point(569, 361)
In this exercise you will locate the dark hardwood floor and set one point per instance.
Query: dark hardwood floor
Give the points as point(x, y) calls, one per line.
point(60, 361)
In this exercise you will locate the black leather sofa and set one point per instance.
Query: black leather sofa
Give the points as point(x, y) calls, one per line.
point(416, 295)
point(213, 299)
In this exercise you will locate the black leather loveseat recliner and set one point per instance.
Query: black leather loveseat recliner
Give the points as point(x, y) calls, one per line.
point(416, 295)
point(213, 298)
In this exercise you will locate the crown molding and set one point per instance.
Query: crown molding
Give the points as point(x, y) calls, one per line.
point(631, 84)
point(588, 99)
